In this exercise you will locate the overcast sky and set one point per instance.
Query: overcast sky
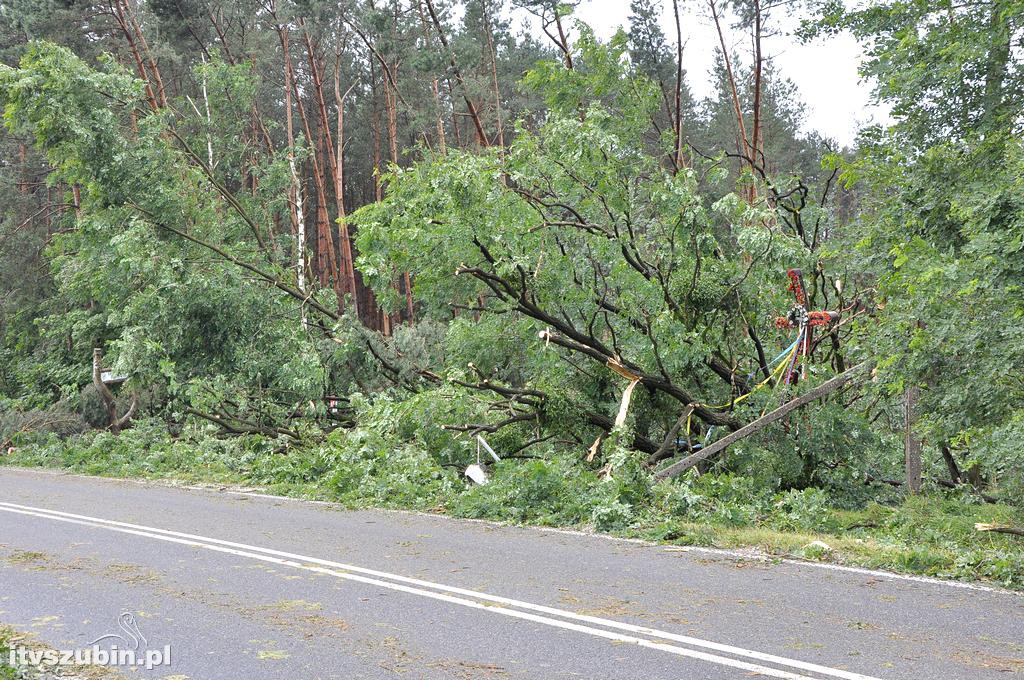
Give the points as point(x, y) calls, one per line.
point(838, 102)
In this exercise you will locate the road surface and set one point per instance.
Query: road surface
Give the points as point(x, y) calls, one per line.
point(243, 586)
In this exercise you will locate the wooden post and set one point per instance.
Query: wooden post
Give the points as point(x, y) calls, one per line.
point(105, 394)
point(911, 444)
point(116, 423)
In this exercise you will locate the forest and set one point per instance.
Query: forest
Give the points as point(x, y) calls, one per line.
point(466, 256)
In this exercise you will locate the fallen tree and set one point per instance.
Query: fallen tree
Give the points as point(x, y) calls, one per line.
point(999, 529)
point(767, 419)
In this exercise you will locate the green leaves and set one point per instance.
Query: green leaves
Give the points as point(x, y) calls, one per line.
point(576, 232)
point(946, 71)
point(176, 316)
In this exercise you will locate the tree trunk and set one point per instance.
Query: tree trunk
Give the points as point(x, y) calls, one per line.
point(678, 122)
point(296, 205)
point(347, 264)
point(493, 55)
point(130, 38)
point(954, 470)
point(757, 156)
point(744, 141)
point(114, 423)
point(996, 68)
point(153, 69)
point(911, 444)
point(434, 83)
point(322, 220)
point(457, 74)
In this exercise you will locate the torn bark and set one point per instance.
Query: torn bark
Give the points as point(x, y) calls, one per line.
point(999, 529)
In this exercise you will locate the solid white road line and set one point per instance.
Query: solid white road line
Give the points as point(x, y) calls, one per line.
point(724, 552)
point(738, 554)
point(393, 582)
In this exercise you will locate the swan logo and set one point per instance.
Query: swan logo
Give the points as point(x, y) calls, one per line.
point(128, 647)
point(132, 639)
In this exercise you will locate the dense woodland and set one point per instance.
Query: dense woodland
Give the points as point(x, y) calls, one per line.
point(333, 243)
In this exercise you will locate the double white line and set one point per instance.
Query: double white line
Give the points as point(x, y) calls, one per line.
point(751, 661)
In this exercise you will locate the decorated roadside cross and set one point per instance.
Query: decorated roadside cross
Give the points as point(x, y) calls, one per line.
point(800, 318)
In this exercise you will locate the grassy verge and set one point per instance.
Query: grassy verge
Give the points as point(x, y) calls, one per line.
point(10, 637)
point(7, 671)
point(930, 535)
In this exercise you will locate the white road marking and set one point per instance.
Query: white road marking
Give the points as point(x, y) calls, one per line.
point(751, 554)
point(395, 581)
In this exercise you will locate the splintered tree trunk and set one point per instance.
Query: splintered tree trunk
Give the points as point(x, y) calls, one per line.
point(380, 320)
point(911, 444)
point(757, 156)
point(391, 111)
point(441, 142)
point(318, 89)
point(153, 69)
point(326, 253)
point(456, 128)
point(105, 394)
point(435, 85)
point(493, 56)
point(375, 130)
point(331, 269)
point(744, 141)
point(130, 37)
point(318, 171)
point(563, 41)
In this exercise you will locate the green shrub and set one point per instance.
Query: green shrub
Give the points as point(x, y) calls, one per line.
point(805, 510)
point(365, 468)
point(547, 492)
point(8, 672)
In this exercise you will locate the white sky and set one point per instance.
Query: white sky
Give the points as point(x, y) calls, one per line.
point(825, 72)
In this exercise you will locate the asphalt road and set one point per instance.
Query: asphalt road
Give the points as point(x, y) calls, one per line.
point(241, 586)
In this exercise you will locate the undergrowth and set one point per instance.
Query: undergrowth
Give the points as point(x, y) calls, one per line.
point(7, 671)
point(932, 534)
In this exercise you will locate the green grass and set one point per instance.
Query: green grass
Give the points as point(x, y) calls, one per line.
point(10, 637)
point(7, 671)
point(930, 535)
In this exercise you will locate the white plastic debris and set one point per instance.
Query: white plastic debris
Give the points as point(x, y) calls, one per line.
point(477, 474)
point(481, 441)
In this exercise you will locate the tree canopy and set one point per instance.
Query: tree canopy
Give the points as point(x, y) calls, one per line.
point(277, 219)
